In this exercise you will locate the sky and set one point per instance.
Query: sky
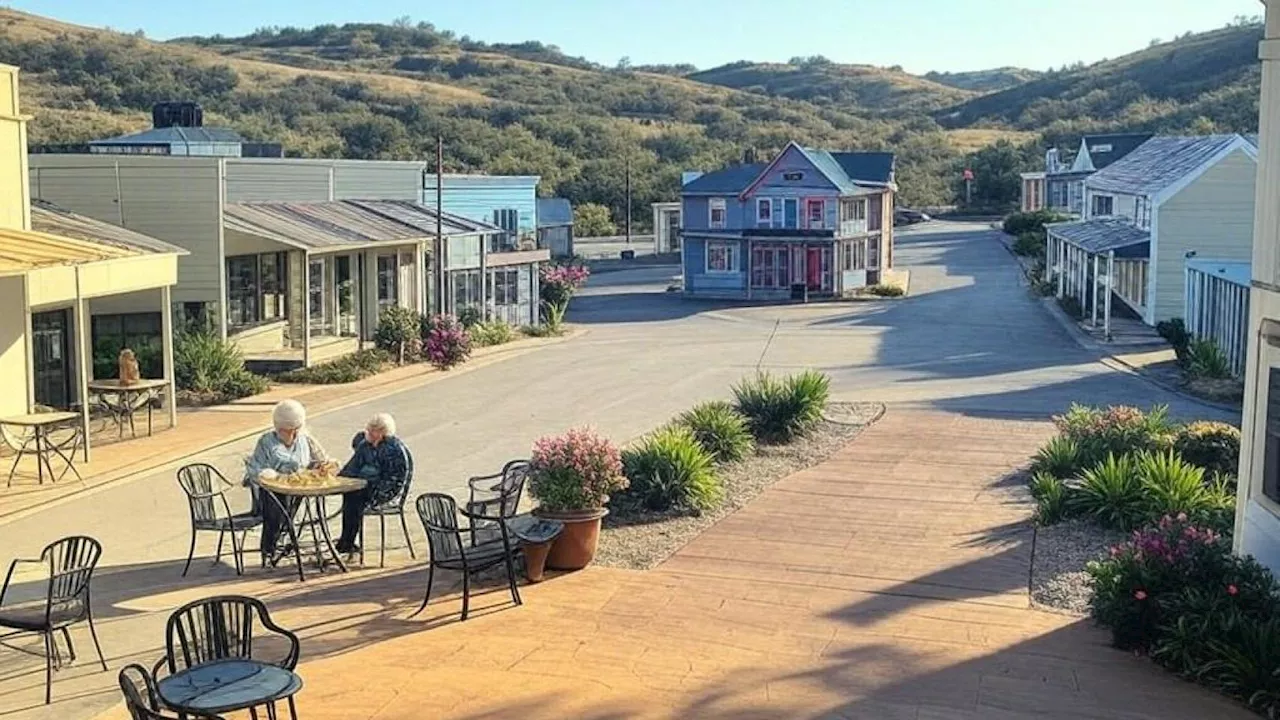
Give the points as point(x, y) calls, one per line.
point(919, 35)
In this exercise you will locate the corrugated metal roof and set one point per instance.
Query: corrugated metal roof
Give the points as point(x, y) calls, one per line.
point(51, 219)
point(1099, 236)
point(344, 223)
point(177, 135)
point(1159, 163)
point(1234, 272)
point(554, 212)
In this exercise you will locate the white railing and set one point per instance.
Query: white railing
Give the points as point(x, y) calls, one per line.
point(1217, 309)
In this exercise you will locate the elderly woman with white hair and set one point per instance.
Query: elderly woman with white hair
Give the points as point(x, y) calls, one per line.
point(286, 449)
point(382, 461)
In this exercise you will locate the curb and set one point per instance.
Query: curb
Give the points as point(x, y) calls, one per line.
point(376, 392)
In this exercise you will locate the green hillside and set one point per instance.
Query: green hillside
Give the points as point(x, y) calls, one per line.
point(984, 81)
point(1204, 82)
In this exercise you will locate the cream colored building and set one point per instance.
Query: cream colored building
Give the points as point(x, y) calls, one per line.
point(63, 277)
point(1257, 530)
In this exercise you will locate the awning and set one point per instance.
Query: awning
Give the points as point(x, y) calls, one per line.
point(346, 223)
point(60, 238)
point(1104, 236)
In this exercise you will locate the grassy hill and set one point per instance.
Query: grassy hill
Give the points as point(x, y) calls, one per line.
point(984, 81)
point(856, 88)
point(1204, 82)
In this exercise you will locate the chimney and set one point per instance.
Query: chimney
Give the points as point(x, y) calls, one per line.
point(749, 156)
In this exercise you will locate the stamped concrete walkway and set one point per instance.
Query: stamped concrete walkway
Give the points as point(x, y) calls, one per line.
point(889, 583)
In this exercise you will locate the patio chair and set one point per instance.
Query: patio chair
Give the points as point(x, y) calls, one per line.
point(439, 515)
point(141, 698)
point(227, 627)
point(206, 490)
point(499, 499)
point(70, 562)
point(392, 507)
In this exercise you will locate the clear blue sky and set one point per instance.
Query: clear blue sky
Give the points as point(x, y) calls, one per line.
point(920, 35)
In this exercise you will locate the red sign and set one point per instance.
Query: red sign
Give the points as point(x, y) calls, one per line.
point(968, 174)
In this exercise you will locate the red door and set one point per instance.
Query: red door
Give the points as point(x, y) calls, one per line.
point(813, 266)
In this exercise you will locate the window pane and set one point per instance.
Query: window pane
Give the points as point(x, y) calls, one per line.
point(242, 292)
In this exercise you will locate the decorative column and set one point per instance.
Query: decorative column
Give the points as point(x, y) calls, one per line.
point(166, 343)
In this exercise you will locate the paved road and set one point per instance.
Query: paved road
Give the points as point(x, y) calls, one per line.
point(968, 340)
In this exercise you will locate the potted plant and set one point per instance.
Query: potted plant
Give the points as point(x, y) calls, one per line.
point(571, 476)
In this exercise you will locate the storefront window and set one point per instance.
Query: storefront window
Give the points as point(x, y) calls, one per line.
point(256, 288)
point(388, 285)
point(140, 332)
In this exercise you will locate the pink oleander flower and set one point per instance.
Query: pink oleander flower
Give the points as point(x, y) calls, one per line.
point(1233, 590)
point(1140, 595)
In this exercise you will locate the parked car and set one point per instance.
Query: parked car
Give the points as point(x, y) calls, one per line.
point(903, 216)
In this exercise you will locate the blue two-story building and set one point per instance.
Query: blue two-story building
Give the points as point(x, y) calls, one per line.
point(810, 223)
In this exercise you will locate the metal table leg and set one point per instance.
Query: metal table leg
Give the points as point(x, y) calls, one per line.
point(40, 456)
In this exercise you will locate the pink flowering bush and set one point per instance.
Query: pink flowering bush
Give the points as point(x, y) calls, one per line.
point(575, 471)
point(1115, 430)
point(445, 342)
point(1134, 586)
point(559, 283)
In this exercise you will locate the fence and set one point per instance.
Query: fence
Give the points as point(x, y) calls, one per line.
point(1217, 307)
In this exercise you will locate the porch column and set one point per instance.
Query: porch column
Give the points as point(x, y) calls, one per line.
point(1106, 302)
point(166, 344)
point(1093, 292)
point(420, 279)
point(484, 277)
point(746, 263)
point(306, 309)
point(1059, 251)
point(83, 339)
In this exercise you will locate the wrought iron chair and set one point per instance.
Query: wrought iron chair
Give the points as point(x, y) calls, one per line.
point(496, 499)
point(439, 515)
point(393, 507)
point(141, 698)
point(226, 627)
point(206, 490)
point(70, 562)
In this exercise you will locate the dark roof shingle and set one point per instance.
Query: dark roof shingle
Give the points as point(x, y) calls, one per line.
point(1159, 163)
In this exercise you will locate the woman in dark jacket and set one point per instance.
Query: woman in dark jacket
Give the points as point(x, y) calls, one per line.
point(380, 459)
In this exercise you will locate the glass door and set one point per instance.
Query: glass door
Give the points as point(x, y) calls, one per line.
point(673, 230)
point(316, 305)
point(345, 282)
point(50, 332)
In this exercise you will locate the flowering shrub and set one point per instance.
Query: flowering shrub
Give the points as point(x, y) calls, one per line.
point(445, 342)
point(575, 471)
point(559, 283)
point(1119, 429)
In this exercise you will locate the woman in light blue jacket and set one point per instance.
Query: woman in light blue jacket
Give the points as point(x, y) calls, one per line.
point(286, 449)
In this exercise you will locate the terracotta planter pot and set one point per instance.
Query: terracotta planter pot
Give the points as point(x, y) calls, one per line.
point(575, 548)
point(535, 560)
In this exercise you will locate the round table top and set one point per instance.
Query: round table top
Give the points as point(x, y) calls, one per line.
point(227, 685)
point(115, 384)
point(312, 485)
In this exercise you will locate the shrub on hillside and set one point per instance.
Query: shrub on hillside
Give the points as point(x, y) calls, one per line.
point(720, 429)
point(346, 369)
point(445, 343)
point(1019, 223)
point(781, 410)
point(669, 469)
point(1214, 446)
point(204, 363)
point(397, 327)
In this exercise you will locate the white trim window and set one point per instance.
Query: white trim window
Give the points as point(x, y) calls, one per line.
point(764, 212)
point(1102, 206)
point(722, 257)
point(815, 214)
point(716, 214)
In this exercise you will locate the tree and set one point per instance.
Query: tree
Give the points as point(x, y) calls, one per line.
point(593, 220)
point(996, 174)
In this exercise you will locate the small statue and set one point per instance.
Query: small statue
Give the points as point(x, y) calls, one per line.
point(129, 373)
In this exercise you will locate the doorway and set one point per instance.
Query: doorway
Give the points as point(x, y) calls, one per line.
point(51, 348)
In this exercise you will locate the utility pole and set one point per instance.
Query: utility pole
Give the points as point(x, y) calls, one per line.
point(628, 201)
point(439, 269)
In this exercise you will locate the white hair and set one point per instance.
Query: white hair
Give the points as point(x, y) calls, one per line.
point(383, 422)
point(288, 415)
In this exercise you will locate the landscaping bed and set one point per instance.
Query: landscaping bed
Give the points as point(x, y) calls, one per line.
point(640, 539)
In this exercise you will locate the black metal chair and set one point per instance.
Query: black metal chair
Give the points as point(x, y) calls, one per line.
point(141, 698)
point(382, 512)
point(496, 495)
point(70, 562)
point(206, 491)
point(225, 627)
point(439, 515)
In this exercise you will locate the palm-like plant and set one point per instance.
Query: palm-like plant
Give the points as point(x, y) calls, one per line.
point(1060, 457)
point(1110, 493)
point(1171, 485)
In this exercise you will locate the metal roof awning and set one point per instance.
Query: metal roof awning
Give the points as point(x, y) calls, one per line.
point(341, 224)
point(1104, 236)
point(60, 238)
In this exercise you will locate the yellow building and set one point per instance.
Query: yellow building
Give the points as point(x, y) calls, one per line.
point(70, 285)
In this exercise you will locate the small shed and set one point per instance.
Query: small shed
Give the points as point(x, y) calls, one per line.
point(555, 226)
point(1217, 306)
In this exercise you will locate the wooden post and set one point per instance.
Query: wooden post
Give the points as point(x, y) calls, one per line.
point(1093, 292)
point(1060, 251)
point(83, 358)
point(306, 309)
point(441, 292)
point(746, 263)
point(166, 342)
point(1106, 314)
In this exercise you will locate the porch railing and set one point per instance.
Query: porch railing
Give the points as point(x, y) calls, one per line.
point(1217, 309)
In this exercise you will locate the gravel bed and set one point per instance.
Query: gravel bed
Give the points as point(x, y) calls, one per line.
point(642, 540)
point(1058, 579)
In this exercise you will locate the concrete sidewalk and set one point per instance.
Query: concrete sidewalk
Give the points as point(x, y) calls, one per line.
point(201, 429)
point(887, 583)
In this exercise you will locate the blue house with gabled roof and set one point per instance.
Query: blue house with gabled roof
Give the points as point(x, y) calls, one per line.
point(811, 223)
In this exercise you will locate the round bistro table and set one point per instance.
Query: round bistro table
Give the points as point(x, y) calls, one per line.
point(310, 496)
point(225, 686)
